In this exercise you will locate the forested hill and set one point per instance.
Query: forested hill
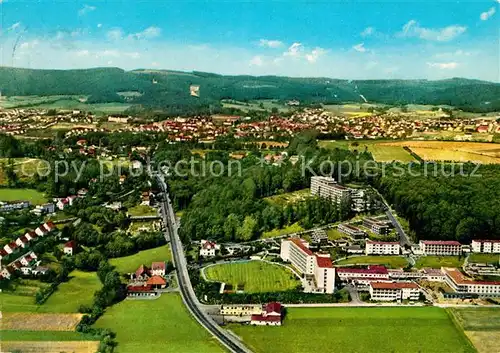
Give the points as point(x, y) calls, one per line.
point(170, 89)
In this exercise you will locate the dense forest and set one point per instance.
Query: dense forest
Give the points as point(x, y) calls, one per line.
point(448, 207)
point(169, 90)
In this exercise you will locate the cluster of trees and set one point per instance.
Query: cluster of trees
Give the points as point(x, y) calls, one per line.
point(447, 207)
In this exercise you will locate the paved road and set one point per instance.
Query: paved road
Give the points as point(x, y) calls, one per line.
point(186, 289)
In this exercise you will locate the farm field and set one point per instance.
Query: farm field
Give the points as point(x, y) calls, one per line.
point(35, 197)
point(293, 228)
point(289, 197)
point(389, 261)
point(381, 152)
point(51, 346)
point(40, 322)
point(481, 325)
point(131, 263)
point(162, 325)
point(21, 296)
point(10, 335)
point(79, 290)
point(484, 258)
point(255, 276)
point(366, 330)
point(488, 153)
point(439, 261)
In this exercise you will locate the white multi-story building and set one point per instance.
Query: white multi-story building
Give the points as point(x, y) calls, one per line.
point(351, 230)
point(486, 246)
point(382, 248)
point(363, 275)
point(463, 285)
point(376, 226)
point(318, 267)
point(387, 291)
point(328, 188)
point(440, 247)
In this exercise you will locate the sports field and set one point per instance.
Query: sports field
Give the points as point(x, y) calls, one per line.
point(439, 261)
point(356, 330)
point(381, 152)
point(484, 258)
point(68, 297)
point(255, 276)
point(488, 153)
point(389, 261)
point(31, 195)
point(481, 325)
point(131, 263)
point(162, 325)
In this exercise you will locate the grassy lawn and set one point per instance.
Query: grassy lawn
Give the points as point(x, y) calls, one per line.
point(8, 335)
point(485, 258)
point(256, 276)
point(35, 197)
point(79, 290)
point(130, 263)
point(293, 228)
point(380, 151)
point(439, 261)
point(142, 210)
point(355, 330)
point(289, 197)
point(157, 326)
point(13, 302)
point(389, 261)
point(334, 234)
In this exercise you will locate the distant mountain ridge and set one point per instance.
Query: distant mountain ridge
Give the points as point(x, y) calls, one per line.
point(169, 89)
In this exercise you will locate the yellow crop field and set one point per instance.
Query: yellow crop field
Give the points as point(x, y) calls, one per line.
point(50, 346)
point(488, 153)
point(40, 322)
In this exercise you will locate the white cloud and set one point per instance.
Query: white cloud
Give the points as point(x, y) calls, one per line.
point(270, 43)
point(150, 32)
point(99, 25)
point(487, 14)
point(115, 34)
point(256, 61)
point(368, 31)
point(413, 29)
point(294, 50)
point(315, 54)
point(360, 47)
point(444, 66)
point(29, 45)
point(82, 53)
point(86, 9)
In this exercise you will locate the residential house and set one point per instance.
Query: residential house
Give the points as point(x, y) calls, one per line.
point(39, 270)
point(70, 248)
point(208, 248)
point(10, 248)
point(271, 316)
point(142, 273)
point(22, 241)
point(158, 268)
point(5, 273)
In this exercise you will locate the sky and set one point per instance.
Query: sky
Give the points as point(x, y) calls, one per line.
point(349, 39)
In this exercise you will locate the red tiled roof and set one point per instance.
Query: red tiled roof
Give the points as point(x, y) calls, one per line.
point(156, 281)
point(273, 307)
point(441, 242)
point(70, 244)
point(158, 265)
point(24, 239)
point(13, 245)
point(209, 245)
point(141, 270)
point(324, 262)
point(370, 270)
point(393, 285)
point(301, 246)
point(145, 288)
point(460, 279)
point(266, 318)
point(3, 252)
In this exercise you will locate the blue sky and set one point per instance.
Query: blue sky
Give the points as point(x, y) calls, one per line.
point(345, 39)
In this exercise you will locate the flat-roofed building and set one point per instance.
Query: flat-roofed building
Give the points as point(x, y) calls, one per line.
point(327, 187)
point(486, 246)
point(376, 226)
point(440, 247)
point(382, 248)
point(240, 310)
point(392, 291)
point(313, 266)
point(363, 275)
point(351, 230)
point(464, 285)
